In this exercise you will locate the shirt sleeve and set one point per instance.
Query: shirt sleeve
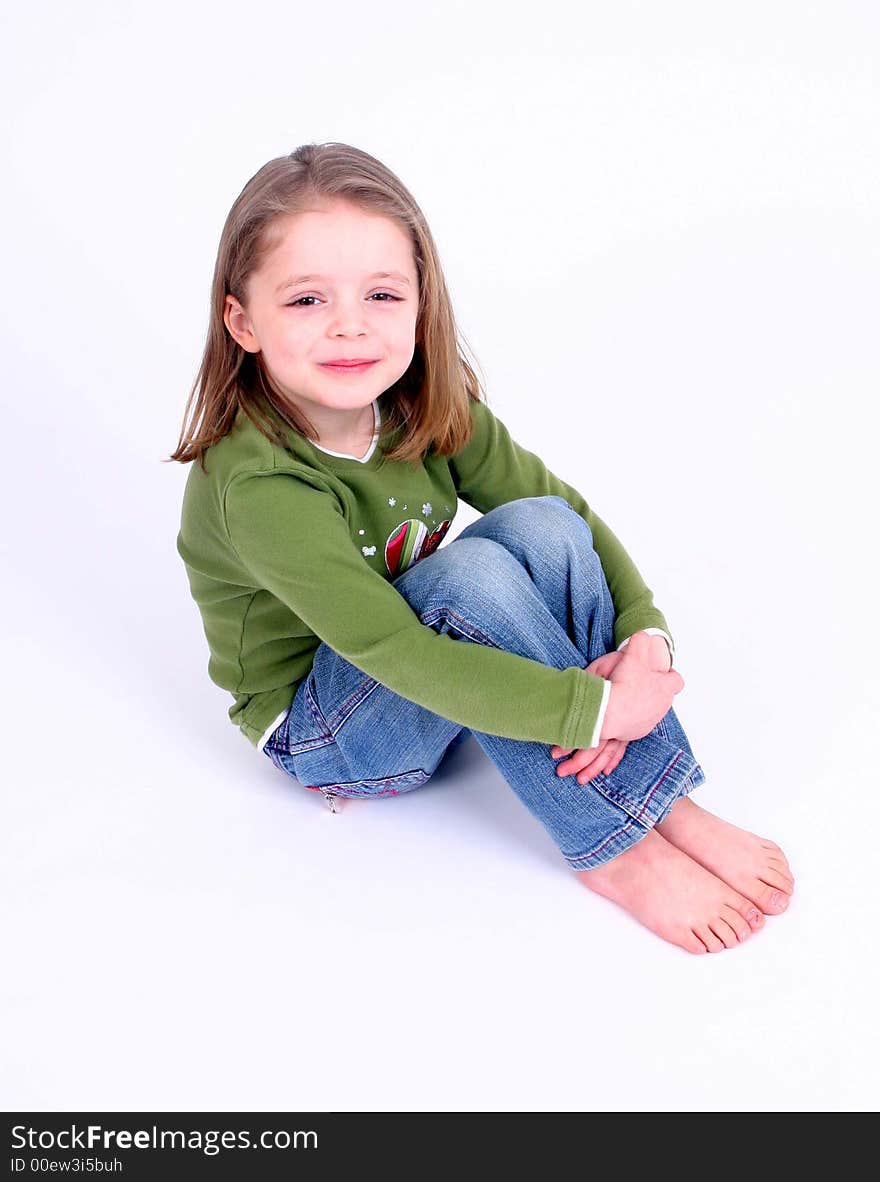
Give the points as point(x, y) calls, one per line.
point(493, 469)
point(292, 539)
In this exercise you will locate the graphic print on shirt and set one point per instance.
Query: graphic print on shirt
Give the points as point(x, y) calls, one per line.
point(410, 540)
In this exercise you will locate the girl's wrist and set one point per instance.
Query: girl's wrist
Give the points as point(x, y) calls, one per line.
point(610, 721)
point(660, 654)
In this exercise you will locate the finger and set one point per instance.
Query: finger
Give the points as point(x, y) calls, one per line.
point(593, 769)
point(617, 756)
point(581, 758)
point(558, 752)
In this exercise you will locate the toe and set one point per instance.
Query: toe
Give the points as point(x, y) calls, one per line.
point(692, 943)
point(738, 922)
point(713, 944)
point(774, 852)
point(773, 878)
point(771, 900)
point(743, 907)
point(783, 871)
point(753, 917)
point(724, 931)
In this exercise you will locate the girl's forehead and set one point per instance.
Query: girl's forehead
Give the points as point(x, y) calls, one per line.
point(334, 212)
point(329, 235)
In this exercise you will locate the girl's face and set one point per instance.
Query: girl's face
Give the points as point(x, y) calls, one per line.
point(318, 298)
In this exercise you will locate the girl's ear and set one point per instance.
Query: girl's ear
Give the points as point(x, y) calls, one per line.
point(236, 320)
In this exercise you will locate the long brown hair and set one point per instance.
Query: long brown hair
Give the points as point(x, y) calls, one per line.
point(430, 401)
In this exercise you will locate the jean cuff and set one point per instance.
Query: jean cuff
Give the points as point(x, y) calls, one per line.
point(679, 777)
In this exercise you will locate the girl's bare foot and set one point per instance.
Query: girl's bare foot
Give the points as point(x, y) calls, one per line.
point(675, 896)
point(753, 865)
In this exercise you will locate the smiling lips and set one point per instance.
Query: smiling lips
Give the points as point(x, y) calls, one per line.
point(354, 366)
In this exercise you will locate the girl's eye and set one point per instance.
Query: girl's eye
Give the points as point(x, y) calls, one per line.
point(298, 301)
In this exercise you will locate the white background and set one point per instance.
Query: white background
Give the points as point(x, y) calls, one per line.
point(659, 226)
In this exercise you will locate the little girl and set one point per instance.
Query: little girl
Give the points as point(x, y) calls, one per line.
point(336, 427)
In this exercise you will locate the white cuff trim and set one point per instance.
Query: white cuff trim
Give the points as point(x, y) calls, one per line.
point(653, 632)
point(603, 707)
point(273, 726)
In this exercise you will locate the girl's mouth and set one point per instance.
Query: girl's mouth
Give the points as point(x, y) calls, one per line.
point(339, 368)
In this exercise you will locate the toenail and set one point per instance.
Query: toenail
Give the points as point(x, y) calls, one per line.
point(779, 900)
point(753, 914)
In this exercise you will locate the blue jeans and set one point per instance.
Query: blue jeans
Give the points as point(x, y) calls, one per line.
point(543, 595)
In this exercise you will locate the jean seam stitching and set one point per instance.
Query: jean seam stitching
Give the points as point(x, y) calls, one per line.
point(628, 824)
point(319, 719)
point(351, 703)
point(463, 625)
point(622, 801)
point(417, 776)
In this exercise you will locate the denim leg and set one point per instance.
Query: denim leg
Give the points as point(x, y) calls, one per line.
point(552, 604)
point(538, 531)
point(524, 578)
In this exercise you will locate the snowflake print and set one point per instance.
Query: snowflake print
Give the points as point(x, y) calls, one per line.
point(427, 509)
point(392, 501)
point(368, 551)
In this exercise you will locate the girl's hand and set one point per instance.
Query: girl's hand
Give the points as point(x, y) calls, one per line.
point(641, 695)
point(590, 761)
point(653, 652)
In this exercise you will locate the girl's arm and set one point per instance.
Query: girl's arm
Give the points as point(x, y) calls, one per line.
point(292, 540)
point(493, 469)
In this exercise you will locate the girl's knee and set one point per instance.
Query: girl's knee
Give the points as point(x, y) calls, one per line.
point(460, 572)
point(552, 515)
point(550, 518)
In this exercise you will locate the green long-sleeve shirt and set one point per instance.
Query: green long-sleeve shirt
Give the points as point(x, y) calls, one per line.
point(286, 547)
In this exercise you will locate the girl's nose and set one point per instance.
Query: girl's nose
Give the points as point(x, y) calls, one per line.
point(348, 316)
